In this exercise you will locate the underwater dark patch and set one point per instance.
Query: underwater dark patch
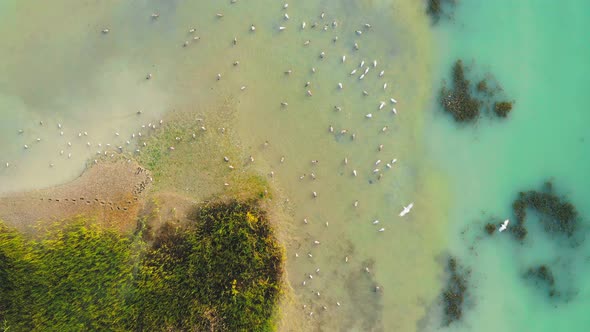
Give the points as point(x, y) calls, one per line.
point(466, 102)
point(454, 294)
point(503, 108)
point(490, 228)
point(542, 276)
point(362, 288)
point(440, 9)
point(558, 216)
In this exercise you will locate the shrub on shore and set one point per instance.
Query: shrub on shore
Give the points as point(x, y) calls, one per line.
point(222, 272)
point(224, 269)
point(74, 278)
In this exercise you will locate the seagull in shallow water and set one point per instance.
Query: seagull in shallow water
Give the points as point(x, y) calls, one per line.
point(504, 225)
point(406, 210)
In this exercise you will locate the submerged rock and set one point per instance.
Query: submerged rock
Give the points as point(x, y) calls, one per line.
point(453, 295)
point(482, 86)
point(503, 108)
point(438, 9)
point(557, 215)
point(458, 100)
point(466, 102)
point(490, 228)
point(543, 276)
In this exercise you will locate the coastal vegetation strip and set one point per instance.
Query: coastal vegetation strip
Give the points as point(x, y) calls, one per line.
point(222, 271)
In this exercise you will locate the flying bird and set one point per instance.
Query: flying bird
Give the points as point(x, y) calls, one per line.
point(504, 225)
point(406, 210)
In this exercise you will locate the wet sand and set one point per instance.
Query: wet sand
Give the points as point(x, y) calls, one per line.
point(112, 192)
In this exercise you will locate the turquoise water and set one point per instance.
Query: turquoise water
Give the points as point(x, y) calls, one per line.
point(539, 52)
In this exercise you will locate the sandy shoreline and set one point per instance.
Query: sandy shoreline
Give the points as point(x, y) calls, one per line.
point(118, 193)
point(111, 192)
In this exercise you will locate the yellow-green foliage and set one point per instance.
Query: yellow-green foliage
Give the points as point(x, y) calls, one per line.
point(221, 272)
point(65, 281)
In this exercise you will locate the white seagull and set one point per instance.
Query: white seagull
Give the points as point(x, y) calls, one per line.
point(406, 210)
point(504, 225)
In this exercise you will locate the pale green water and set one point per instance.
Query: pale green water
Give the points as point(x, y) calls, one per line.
point(95, 83)
point(539, 52)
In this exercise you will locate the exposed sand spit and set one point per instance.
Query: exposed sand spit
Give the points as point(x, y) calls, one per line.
point(112, 192)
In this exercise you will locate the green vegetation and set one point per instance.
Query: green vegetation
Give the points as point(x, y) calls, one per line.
point(557, 215)
point(74, 278)
point(187, 154)
point(220, 272)
point(466, 102)
point(454, 294)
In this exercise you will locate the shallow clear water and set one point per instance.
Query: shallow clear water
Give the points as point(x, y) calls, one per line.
point(538, 51)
